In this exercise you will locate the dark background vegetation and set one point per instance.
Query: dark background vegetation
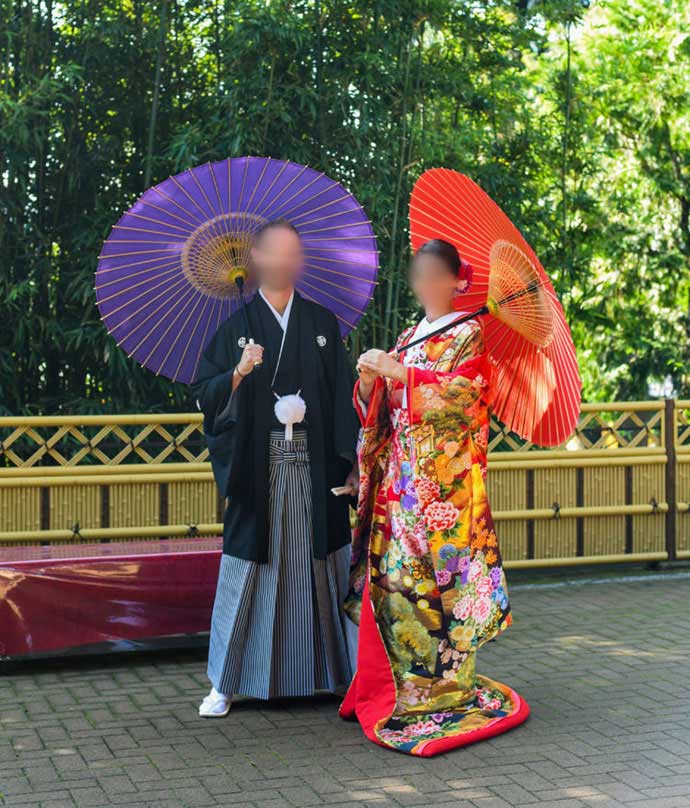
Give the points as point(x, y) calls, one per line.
point(574, 116)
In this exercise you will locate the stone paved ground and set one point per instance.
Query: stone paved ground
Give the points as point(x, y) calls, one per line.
point(605, 666)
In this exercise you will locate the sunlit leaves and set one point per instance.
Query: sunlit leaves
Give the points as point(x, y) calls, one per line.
point(590, 157)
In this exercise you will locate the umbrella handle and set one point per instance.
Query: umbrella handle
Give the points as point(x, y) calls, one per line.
point(490, 307)
point(251, 342)
point(465, 317)
point(239, 281)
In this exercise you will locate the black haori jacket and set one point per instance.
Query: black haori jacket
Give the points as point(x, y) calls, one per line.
point(237, 426)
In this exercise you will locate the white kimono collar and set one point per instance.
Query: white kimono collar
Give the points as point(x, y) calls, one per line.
point(283, 318)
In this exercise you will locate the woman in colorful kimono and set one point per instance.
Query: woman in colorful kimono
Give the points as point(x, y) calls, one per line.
point(428, 587)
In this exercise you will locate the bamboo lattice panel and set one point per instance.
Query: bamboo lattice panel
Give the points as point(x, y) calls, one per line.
point(179, 491)
point(600, 427)
point(108, 442)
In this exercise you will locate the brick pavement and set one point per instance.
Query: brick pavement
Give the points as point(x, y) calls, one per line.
point(605, 667)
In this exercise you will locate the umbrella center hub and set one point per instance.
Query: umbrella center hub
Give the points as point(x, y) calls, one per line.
point(218, 252)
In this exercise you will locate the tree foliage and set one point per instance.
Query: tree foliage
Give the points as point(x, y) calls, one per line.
point(575, 118)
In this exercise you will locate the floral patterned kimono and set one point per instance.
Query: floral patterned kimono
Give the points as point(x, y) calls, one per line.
point(428, 586)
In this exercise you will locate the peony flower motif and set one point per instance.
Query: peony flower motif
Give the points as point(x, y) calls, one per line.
point(393, 735)
point(419, 530)
point(481, 609)
point(443, 577)
point(441, 516)
point(412, 545)
point(422, 728)
point(488, 700)
point(398, 526)
point(463, 608)
point(440, 717)
point(476, 570)
point(483, 586)
point(427, 491)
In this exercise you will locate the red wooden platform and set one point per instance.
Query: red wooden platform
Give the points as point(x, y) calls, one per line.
point(61, 597)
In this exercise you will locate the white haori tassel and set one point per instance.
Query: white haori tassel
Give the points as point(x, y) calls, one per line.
point(290, 410)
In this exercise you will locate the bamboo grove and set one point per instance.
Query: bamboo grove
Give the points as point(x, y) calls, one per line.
point(574, 116)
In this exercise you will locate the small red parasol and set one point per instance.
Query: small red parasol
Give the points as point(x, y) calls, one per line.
point(536, 380)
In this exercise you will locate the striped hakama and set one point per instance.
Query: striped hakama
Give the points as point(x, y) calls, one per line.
point(278, 628)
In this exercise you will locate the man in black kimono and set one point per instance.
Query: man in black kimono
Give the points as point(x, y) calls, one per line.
point(278, 627)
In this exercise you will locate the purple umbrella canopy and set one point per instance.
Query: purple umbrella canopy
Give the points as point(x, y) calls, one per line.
point(166, 274)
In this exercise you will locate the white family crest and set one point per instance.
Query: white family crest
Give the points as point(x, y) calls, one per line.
point(321, 341)
point(242, 341)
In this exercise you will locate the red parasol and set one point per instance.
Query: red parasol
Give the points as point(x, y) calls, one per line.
point(537, 383)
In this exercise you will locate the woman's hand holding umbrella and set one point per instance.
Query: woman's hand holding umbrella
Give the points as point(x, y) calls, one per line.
point(381, 363)
point(375, 363)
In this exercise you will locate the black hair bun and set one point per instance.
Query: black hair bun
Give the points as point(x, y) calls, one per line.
point(449, 254)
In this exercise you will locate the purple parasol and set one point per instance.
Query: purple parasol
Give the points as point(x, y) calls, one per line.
point(166, 276)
